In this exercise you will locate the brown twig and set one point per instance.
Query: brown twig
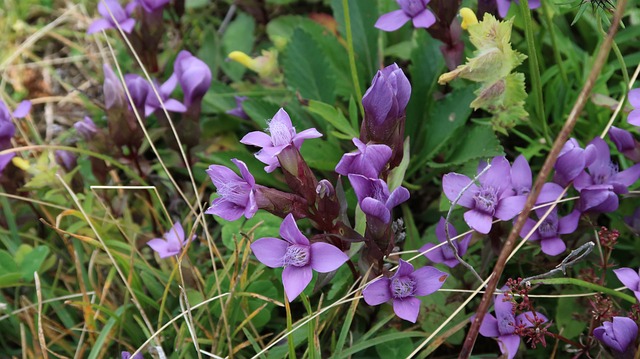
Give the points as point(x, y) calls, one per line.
point(583, 97)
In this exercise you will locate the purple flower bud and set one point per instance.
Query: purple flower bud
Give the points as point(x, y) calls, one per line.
point(415, 10)
point(368, 160)
point(193, 75)
point(86, 128)
point(298, 256)
point(114, 94)
point(139, 89)
point(625, 143)
point(66, 159)
point(444, 254)
point(152, 104)
point(121, 16)
point(374, 197)
point(171, 243)
point(571, 160)
point(325, 189)
point(237, 196)
point(504, 5)
point(618, 334)
point(238, 111)
point(403, 287)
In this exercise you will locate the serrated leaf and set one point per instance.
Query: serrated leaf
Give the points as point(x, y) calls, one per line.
point(306, 70)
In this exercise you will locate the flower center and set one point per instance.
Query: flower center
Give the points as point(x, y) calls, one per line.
point(486, 200)
point(402, 287)
point(235, 192)
point(447, 251)
point(280, 133)
point(412, 7)
point(297, 255)
point(506, 324)
point(603, 177)
point(548, 228)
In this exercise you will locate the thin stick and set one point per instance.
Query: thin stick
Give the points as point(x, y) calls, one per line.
point(43, 343)
point(601, 58)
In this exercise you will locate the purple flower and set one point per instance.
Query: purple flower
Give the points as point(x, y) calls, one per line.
point(8, 129)
point(237, 196)
point(114, 94)
point(625, 143)
point(571, 160)
point(238, 111)
point(444, 254)
point(66, 159)
point(549, 231)
point(403, 287)
point(127, 355)
point(121, 16)
point(504, 5)
point(521, 180)
point(281, 134)
point(298, 257)
point(617, 335)
point(139, 89)
point(374, 197)
point(385, 103)
point(86, 128)
point(599, 188)
point(171, 243)
point(630, 278)
point(152, 5)
point(634, 99)
point(368, 160)
point(415, 10)
point(152, 104)
point(193, 75)
point(503, 325)
point(493, 198)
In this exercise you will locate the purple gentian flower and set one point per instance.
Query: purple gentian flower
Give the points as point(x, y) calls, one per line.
point(549, 231)
point(444, 254)
point(66, 159)
point(630, 278)
point(503, 325)
point(634, 100)
point(281, 134)
point(403, 287)
point(171, 243)
point(415, 10)
point(122, 16)
point(625, 143)
point(139, 89)
point(238, 111)
point(374, 197)
point(521, 180)
point(571, 160)
point(237, 196)
point(368, 160)
point(298, 257)
point(86, 128)
point(152, 104)
point(193, 75)
point(127, 355)
point(8, 129)
point(114, 94)
point(618, 335)
point(599, 188)
point(493, 198)
point(385, 103)
point(152, 5)
point(504, 5)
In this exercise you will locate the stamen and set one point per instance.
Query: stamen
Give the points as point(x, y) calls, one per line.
point(402, 287)
point(297, 255)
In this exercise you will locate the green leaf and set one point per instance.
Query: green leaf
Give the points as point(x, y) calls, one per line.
point(569, 326)
point(10, 280)
point(400, 348)
point(321, 155)
point(305, 70)
point(239, 36)
point(7, 264)
point(397, 174)
point(267, 289)
point(333, 116)
point(475, 143)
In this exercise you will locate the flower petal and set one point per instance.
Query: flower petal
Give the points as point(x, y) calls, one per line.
point(173, 105)
point(22, 109)
point(625, 331)
point(552, 246)
point(244, 171)
point(424, 19)
point(305, 135)
point(404, 269)
point(454, 183)
point(509, 344)
point(392, 21)
point(163, 248)
point(628, 176)
point(521, 174)
point(634, 97)
point(479, 221)
point(407, 308)
point(628, 277)
point(498, 176)
point(221, 175)
point(270, 251)
point(225, 209)
point(434, 255)
point(399, 195)
point(428, 280)
point(528, 226)
point(510, 207)
point(326, 257)
point(377, 292)
point(289, 231)
point(489, 326)
point(98, 25)
point(373, 207)
point(295, 280)
point(569, 223)
point(257, 138)
point(634, 117)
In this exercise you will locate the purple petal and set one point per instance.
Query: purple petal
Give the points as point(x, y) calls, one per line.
point(225, 209)
point(362, 186)
point(244, 171)
point(534, 4)
point(453, 184)
point(326, 257)
point(168, 86)
point(598, 198)
point(373, 207)
point(392, 21)
point(552, 246)
point(628, 277)
point(569, 223)
point(634, 117)
point(434, 255)
point(463, 245)
point(625, 331)
point(549, 193)
point(623, 139)
point(628, 176)
point(479, 221)
point(509, 344)
point(399, 195)
point(173, 105)
point(634, 97)
point(128, 25)
point(305, 135)
point(582, 180)
point(175, 235)
point(441, 233)
point(221, 175)
point(528, 226)
point(489, 326)
point(251, 207)
point(407, 308)
point(270, 251)
point(377, 292)
point(509, 207)
point(521, 174)
point(290, 232)
point(499, 175)
point(404, 269)
point(428, 280)
point(98, 25)
point(22, 109)
point(295, 280)
point(503, 7)
point(602, 162)
point(163, 248)
point(424, 19)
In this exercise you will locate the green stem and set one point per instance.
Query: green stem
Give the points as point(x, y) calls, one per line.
point(588, 285)
point(352, 55)
point(292, 347)
point(534, 68)
point(554, 42)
